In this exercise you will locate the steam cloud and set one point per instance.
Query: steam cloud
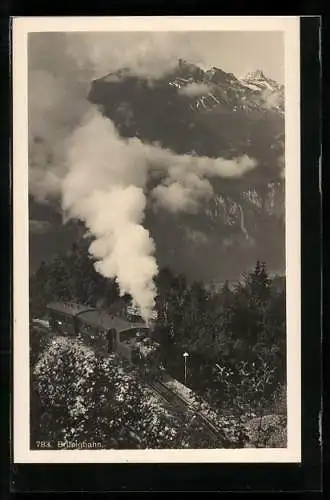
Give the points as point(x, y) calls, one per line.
point(272, 99)
point(195, 89)
point(143, 54)
point(76, 153)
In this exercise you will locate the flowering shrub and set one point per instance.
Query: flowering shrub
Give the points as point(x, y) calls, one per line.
point(39, 340)
point(269, 431)
point(81, 395)
point(249, 389)
point(229, 426)
point(243, 325)
point(66, 381)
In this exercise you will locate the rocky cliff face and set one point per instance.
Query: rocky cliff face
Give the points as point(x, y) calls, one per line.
point(210, 113)
point(205, 113)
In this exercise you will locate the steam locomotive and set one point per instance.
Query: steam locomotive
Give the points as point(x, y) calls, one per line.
point(105, 333)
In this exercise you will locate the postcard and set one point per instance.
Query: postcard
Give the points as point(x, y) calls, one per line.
point(156, 202)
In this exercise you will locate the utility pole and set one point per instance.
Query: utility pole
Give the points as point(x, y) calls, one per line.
point(185, 355)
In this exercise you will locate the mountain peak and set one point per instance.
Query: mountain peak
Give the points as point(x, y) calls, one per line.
point(217, 75)
point(258, 74)
point(187, 68)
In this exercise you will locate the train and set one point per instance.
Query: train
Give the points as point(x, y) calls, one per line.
point(132, 340)
point(106, 333)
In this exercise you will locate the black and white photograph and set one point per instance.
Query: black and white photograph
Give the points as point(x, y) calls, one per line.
point(156, 184)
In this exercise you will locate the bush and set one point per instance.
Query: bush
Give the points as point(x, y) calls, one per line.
point(38, 342)
point(268, 431)
point(240, 329)
point(78, 395)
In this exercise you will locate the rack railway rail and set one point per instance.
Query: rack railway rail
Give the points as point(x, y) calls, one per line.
point(169, 396)
point(180, 405)
point(109, 334)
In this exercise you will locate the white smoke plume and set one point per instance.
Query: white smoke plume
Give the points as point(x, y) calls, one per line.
point(102, 179)
point(179, 197)
point(187, 183)
point(272, 99)
point(149, 55)
point(195, 89)
point(57, 91)
point(104, 188)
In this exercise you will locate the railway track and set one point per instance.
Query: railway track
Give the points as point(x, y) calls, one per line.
point(181, 406)
point(168, 396)
point(212, 430)
point(174, 400)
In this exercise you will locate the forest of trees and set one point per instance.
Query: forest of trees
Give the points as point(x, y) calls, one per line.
point(235, 337)
point(96, 400)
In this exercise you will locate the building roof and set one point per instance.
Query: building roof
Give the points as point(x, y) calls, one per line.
point(69, 308)
point(94, 316)
point(107, 321)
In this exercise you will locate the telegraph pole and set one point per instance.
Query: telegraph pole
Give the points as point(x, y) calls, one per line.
point(185, 355)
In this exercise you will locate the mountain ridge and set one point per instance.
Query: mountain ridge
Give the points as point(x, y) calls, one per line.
point(227, 120)
point(210, 113)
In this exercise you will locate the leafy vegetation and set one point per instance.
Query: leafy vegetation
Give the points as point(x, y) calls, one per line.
point(236, 342)
point(237, 345)
point(80, 396)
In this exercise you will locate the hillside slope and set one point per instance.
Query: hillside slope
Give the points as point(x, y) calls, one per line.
point(210, 113)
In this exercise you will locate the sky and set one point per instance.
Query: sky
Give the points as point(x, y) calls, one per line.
point(70, 142)
point(242, 52)
point(62, 65)
point(234, 52)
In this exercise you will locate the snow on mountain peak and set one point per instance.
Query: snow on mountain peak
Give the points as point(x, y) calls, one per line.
point(255, 75)
point(257, 81)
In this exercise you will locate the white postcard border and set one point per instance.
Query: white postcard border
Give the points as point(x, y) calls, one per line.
point(20, 431)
